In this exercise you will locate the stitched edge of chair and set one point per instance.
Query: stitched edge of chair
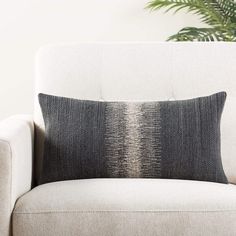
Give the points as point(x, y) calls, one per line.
point(125, 211)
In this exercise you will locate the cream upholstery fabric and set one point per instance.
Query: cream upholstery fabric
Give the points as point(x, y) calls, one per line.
point(137, 207)
point(107, 207)
point(16, 142)
point(142, 71)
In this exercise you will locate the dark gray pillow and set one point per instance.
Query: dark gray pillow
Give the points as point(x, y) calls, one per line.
point(167, 139)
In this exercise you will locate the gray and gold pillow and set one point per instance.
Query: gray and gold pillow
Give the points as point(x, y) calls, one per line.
point(167, 139)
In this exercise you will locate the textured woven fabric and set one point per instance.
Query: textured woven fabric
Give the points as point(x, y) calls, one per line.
point(167, 139)
point(127, 207)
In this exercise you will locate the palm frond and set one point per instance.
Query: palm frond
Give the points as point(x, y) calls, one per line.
point(210, 11)
point(220, 15)
point(227, 8)
point(201, 34)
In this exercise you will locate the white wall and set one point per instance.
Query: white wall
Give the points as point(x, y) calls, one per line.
point(25, 25)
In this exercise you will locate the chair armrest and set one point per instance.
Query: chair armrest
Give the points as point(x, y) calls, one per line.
point(16, 149)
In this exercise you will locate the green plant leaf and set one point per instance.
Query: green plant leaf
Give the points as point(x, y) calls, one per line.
point(220, 15)
point(202, 34)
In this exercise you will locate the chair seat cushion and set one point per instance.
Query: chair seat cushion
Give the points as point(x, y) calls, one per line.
point(127, 207)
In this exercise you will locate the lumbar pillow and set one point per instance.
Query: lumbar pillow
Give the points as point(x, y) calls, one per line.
point(167, 139)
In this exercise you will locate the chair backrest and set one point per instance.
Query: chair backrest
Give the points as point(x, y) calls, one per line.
point(141, 71)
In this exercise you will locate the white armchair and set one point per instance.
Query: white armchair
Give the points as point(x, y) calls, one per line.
point(118, 207)
point(16, 148)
